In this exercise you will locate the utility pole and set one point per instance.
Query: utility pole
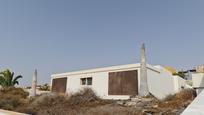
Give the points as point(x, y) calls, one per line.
point(143, 89)
point(34, 85)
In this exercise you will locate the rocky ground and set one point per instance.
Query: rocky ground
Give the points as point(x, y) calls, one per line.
point(88, 104)
point(151, 105)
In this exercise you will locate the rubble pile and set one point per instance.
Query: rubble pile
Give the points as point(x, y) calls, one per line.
point(173, 104)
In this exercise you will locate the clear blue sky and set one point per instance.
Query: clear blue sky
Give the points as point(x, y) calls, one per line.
point(64, 35)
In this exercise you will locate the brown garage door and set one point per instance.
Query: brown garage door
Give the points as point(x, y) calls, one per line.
point(123, 83)
point(59, 85)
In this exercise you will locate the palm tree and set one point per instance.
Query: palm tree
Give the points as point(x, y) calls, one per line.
point(7, 79)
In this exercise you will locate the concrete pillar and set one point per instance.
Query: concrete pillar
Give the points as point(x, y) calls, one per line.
point(34, 85)
point(143, 89)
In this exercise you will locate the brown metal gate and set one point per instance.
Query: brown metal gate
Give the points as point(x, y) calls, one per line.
point(59, 85)
point(123, 83)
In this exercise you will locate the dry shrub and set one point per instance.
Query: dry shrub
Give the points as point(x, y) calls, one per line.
point(47, 104)
point(15, 91)
point(187, 94)
point(85, 102)
point(12, 98)
point(55, 104)
point(85, 97)
point(112, 110)
point(169, 97)
point(11, 102)
point(181, 99)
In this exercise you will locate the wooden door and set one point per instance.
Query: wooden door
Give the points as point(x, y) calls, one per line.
point(123, 83)
point(59, 85)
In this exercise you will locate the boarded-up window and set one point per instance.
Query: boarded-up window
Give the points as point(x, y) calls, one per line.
point(123, 83)
point(59, 85)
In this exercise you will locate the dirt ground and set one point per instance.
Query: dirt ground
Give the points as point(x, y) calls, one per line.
point(85, 102)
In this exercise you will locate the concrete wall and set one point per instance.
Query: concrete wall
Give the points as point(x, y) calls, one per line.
point(160, 84)
point(198, 80)
point(99, 83)
point(179, 83)
point(164, 83)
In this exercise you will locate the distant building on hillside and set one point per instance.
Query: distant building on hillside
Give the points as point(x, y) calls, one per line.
point(200, 69)
point(196, 77)
point(188, 73)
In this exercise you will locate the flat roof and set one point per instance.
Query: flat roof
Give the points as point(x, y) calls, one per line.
point(104, 69)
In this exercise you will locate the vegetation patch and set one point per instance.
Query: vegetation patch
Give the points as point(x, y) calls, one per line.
point(86, 102)
point(58, 104)
point(85, 97)
point(181, 99)
point(12, 98)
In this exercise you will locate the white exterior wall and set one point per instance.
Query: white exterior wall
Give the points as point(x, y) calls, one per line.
point(179, 83)
point(160, 84)
point(164, 83)
point(198, 80)
point(99, 83)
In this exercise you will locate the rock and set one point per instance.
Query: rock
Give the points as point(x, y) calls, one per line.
point(149, 111)
point(147, 99)
point(120, 102)
point(141, 104)
point(136, 99)
point(155, 106)
point(130, 103)
point(177, 112)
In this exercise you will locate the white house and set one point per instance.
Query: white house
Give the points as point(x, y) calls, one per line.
point(118, 82)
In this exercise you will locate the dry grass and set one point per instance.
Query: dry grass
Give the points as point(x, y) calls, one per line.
point(178, 100)
point(14, 91)
point(85, 97)
point(11, 98)
point(54, 104)
point(86, 102)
